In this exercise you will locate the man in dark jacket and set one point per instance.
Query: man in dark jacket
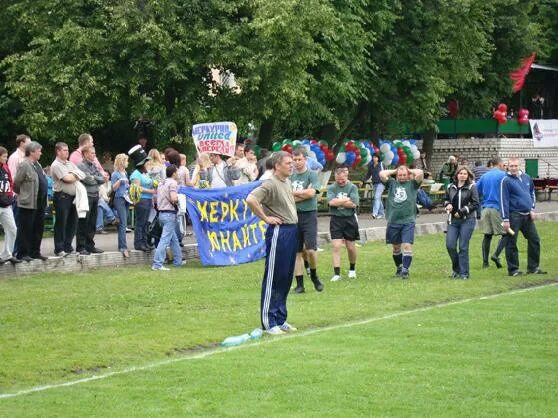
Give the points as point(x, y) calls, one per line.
point(518, 214)
point(87, 226)
point(31, 186)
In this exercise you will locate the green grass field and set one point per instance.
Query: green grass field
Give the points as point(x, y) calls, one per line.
point(373, 346)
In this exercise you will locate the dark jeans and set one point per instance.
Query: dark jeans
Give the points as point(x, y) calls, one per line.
point(142, 208)
point(31, 223)
point(525, 224)
point(460, 230)
point(87, 226)
point(65, 223)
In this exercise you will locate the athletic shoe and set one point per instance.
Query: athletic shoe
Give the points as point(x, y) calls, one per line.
point(276, 330)
point(287, 327)
point(380, 217)
point(318, 285)
point(102, 232)
point(61, 254)
point(299, 289)
point(398, 271)
point(40, 257)
point(336, 278)
point(352, 274)
point(516, 273)
point(464, 277)
point(536, 271)
point(162, 268)
point(454, 275)
point(404, 273)
point(84, 252)
point(96, 250)
point(485, 265)
point(496, 261)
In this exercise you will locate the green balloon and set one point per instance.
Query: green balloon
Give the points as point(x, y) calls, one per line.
point(276, 146)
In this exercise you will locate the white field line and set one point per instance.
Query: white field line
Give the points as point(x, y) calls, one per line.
point(220, 350)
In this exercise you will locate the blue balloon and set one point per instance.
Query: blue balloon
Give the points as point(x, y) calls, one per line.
point(350, 158)
point(395, 160)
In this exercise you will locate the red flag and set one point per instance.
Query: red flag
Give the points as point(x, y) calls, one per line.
point(518, 76)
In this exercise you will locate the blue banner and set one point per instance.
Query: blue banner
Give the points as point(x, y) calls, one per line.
point(226, 229)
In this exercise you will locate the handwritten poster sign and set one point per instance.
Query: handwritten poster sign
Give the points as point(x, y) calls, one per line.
point(217, 137)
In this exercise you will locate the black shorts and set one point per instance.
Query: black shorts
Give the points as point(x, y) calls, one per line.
point(307, 230)
point(344, 227)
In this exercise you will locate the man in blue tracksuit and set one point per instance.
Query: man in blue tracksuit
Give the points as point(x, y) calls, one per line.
point(488, 186)
point(518, 214)
point(274, 203)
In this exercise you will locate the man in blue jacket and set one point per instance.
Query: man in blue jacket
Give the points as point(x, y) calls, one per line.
point(518, 214)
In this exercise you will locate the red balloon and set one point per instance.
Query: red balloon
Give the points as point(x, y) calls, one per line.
point(502, 107)
point(403, 159)
point(288, 148)
point(358, 159)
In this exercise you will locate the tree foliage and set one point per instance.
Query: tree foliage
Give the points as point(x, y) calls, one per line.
point(356, 66)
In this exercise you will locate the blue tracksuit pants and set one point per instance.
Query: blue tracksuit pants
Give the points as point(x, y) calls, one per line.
point(281, 245)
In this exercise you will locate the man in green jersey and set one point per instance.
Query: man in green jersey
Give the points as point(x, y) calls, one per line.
point(305, 188)
point(342, 197)
point(401, 214)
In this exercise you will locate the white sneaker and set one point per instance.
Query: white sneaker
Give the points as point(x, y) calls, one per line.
point(352, 274)
point(336, 278)
point(287, 327)
point(275, 331)
point(162, 268)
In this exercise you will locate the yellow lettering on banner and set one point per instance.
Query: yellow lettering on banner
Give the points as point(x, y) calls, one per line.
point(213, 240)
point(233, 209)
point(225, 240)
point(213, 212)
point(236, 242)
point(224, 210)
point(253, 228)
point(261, 224)
point(245, 236)
point(203, 211)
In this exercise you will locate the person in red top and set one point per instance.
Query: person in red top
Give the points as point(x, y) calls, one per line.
point(6, 214)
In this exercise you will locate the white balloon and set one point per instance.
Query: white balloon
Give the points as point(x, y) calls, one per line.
point(312, 154)
point(416, 155)
point(341, 157)
point(385, 148)
point(406, 142)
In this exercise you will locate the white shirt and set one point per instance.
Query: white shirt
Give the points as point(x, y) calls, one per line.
point(218, 176)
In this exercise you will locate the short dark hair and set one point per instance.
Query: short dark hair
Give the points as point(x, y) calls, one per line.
point(171, 169)
point(3, 151)
point(21, 138)
point(278, 157)
point(59, 146)
point(300, 151)
point(83, 138)
point(173, 157)
point(478, 163)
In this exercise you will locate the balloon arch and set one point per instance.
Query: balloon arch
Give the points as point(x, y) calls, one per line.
point(355, 153)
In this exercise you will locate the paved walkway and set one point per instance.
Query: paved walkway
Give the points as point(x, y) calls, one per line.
point(108, 242)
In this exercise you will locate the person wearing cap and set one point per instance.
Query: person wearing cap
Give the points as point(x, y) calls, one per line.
point(142, 208)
